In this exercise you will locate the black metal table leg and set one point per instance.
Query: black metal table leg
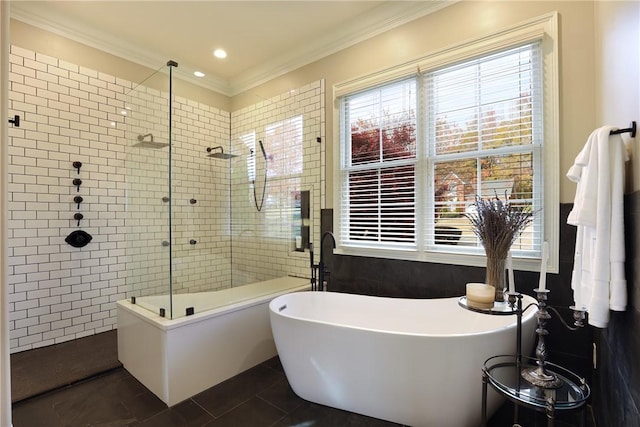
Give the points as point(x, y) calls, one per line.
point(483, 421)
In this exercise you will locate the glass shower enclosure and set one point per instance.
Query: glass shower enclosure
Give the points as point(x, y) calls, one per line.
point(217, 199)
point(148, 145)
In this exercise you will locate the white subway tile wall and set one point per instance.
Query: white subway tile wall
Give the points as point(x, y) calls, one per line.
point(288, 127)
point(72, 113)
point(195, 208)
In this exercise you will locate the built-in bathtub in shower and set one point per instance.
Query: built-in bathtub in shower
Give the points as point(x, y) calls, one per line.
point(228, 333)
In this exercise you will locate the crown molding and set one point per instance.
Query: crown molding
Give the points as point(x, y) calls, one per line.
point(383, 18)
point(56, 23)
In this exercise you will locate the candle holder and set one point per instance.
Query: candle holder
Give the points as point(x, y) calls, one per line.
point(514, 299)
point(539, 375)
point(578, 317)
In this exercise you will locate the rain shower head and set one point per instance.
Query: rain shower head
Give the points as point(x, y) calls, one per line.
point(219, 154)
point(150, 143)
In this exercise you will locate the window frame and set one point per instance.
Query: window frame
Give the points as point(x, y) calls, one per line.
point(543, 29)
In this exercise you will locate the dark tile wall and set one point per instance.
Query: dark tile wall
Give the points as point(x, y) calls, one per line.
point(395, 278)
point(616, 379)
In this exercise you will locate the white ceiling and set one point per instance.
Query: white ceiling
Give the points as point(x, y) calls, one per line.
point(263, 39)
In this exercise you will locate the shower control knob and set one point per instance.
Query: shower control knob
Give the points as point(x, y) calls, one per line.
point(78, 217)
point(193, 201)
point(77, 165)
point(192, 242)
point(165, 243)
point(77, 182)
point(78, 200)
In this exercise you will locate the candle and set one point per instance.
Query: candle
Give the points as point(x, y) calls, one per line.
point(543, 266)
point(480, 295)
point(512, 285)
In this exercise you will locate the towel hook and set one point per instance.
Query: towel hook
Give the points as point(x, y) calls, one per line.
point(632, 130)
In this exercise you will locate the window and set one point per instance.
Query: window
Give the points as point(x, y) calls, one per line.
point(283, 162)
point(417, 150)
point(380, 168)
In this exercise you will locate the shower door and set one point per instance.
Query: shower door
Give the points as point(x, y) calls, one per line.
point(148, 192)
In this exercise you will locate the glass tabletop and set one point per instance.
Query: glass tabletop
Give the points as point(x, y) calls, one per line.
point(505, 375)
point(499, 308)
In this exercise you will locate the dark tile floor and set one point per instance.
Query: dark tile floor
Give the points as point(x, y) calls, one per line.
point(258, 397)
point(36, 371)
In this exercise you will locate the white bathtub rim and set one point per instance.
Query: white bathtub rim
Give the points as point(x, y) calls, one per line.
point(166, 324)
point(527, 316)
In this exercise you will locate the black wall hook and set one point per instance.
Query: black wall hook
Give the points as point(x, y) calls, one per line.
point(631, 129)
point(77, 182)
point(77, 165)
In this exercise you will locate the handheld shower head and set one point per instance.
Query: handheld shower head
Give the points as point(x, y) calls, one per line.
point(219, 155)
point(264, 153)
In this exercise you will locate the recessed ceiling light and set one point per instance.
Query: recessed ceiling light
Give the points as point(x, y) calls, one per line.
point(198, 73)
point(219, 53)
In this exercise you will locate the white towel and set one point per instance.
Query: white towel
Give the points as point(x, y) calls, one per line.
point(598, 279)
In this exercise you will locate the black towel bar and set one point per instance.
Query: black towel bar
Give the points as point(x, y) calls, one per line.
point(631, 130)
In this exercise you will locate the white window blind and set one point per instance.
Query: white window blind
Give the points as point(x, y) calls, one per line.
point(416, 152)
point(379, 161)
point(484, 130)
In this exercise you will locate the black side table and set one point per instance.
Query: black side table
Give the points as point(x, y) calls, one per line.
point(504, 374)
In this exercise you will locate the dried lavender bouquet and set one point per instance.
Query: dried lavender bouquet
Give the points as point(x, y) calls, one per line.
point(498, 224)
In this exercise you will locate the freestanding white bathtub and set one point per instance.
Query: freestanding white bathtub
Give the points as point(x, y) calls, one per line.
point(179, 358)
point(416, 362)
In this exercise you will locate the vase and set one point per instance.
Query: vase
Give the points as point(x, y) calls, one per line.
point(496, 276)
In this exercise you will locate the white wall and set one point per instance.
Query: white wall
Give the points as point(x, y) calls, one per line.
point(617, 68)
point(618, 77)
